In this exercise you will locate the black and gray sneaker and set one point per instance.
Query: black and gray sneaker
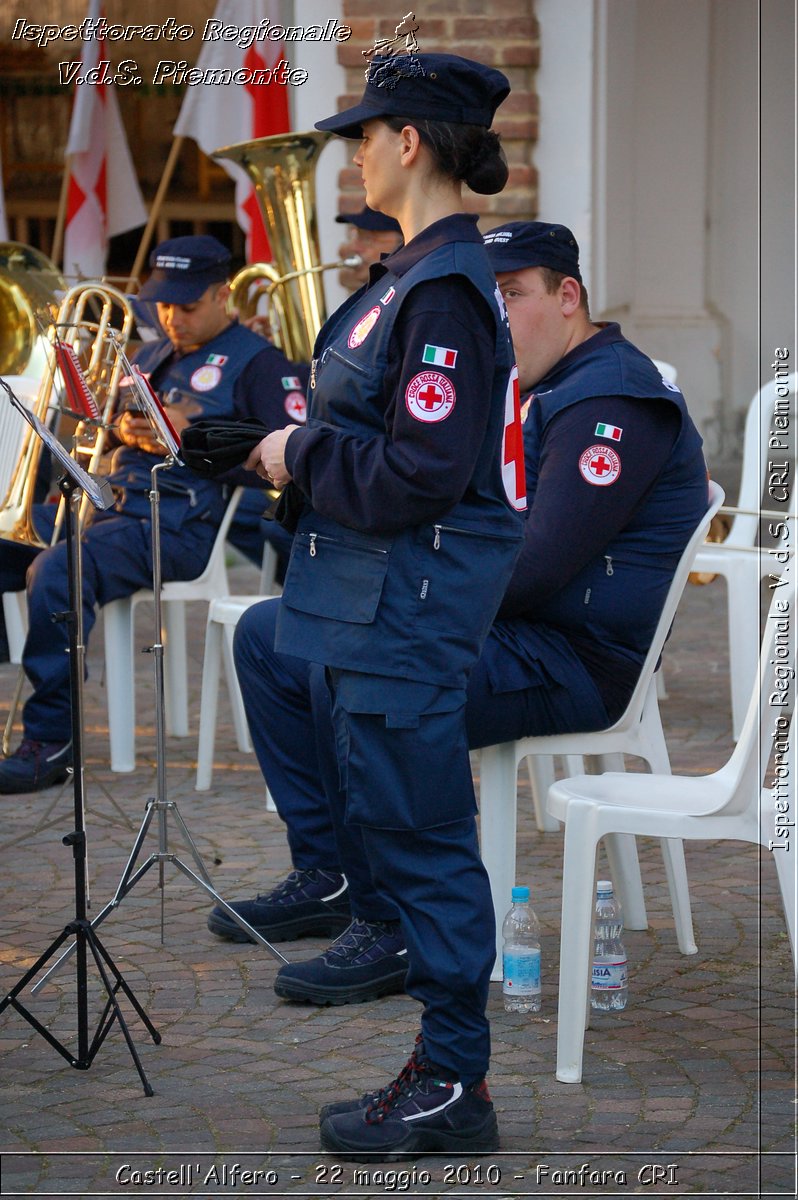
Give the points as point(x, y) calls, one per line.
point(421, 1111)
point(34, 766)
point(306, 904)
point(367, 961)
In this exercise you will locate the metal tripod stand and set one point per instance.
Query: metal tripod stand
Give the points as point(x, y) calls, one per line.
point(159, 807)
point(86, 940)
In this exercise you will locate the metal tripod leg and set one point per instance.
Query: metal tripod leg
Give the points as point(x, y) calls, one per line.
point(131, 875)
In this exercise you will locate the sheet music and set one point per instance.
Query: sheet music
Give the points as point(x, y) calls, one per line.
point(151, 406)
point(97, 488)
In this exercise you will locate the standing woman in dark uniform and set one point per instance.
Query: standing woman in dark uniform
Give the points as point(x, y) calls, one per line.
point(408, 481)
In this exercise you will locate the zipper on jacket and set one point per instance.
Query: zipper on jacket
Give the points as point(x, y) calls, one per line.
point(321, 537)
point(608, 561)
point(461, 532)
point(331, 352)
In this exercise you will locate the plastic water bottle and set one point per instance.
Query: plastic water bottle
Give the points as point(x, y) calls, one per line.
point(521, 956)
point(609, 989)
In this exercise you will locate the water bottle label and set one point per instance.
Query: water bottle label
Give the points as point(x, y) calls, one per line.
point(521, 972)
point(610, 974)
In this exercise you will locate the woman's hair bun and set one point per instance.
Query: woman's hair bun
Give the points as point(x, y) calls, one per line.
point(488, 171)
point(470, 153)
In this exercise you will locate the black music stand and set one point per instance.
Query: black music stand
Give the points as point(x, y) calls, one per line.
point(159, 807)
point(75, 481)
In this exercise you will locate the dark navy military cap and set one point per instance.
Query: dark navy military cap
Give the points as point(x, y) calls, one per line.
point(520, 244)
point(437, 87)
point(185, 267)
point(370, 219)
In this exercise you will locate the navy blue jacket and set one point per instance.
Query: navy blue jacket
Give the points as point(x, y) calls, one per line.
point(599, 556)
point(413, 520)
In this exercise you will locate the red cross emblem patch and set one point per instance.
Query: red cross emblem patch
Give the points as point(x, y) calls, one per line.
point(600, 465)
point(430, 396)
point(295, 406)
point(364, 327)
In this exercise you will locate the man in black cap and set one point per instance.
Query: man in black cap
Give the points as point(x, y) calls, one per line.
point(616, 483)
point(206, 365)
point(370, 235)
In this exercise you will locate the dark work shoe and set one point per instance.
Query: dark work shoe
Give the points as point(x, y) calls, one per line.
point(34, 766)
point(306, 904)
point(421, 1111)
point(368, 960)
point(370, 1098)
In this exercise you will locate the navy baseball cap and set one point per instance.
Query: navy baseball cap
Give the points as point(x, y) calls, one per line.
point(520, 244)
point(436, 87)
point(370, 219)
point(185, 267)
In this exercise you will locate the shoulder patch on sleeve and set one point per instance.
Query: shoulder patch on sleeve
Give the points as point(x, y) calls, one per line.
point(430, 396)
point(600, 465)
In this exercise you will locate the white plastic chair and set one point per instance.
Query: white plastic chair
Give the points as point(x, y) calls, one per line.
point(739, 559)
point(731, 803)
point(638, 732)
point(223, 616)
point(119, 649)
point(12, 434)
point(666, 370)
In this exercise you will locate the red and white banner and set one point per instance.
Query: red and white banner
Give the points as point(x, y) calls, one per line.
point(103, 196)
point(216, 116)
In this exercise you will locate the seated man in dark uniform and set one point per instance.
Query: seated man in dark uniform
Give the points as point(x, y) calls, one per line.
point(206, 365)
point(616, 484)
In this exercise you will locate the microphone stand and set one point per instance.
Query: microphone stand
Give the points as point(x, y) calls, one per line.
point(86, 940)
point(159, 807)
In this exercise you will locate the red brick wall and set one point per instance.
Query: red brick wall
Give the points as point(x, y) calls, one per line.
point(507, 39)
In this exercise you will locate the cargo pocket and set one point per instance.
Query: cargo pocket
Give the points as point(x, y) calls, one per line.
point(334, 577)
point(458, 554)
point(404, 770)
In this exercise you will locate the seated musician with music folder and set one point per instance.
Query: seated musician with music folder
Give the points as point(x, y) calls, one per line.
point(207, 365)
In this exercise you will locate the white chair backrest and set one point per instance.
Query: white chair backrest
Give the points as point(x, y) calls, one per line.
point(666, 370)
point(772, 704)
point(215, 567)
point(13, 426)
point(773, 397)
point(635, 706)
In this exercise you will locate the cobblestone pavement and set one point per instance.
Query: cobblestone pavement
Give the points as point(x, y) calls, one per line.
point(689, 1091)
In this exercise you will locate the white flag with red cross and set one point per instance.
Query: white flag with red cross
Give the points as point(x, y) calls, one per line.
point(217, 116)
point(103, 195)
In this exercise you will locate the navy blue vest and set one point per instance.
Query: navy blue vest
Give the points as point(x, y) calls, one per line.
point(205, 377)
point(616, 599)
point(416, 605)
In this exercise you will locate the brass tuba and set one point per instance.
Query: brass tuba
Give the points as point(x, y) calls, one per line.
point(96, 320)
point(31, 288)
point(282, 168)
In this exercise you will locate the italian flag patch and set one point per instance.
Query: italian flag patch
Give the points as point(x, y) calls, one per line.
point(439, 356)
point(608, 431)
point(216, 360)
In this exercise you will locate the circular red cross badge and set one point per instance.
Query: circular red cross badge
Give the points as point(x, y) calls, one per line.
point(430, 396)
point(600, 465)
